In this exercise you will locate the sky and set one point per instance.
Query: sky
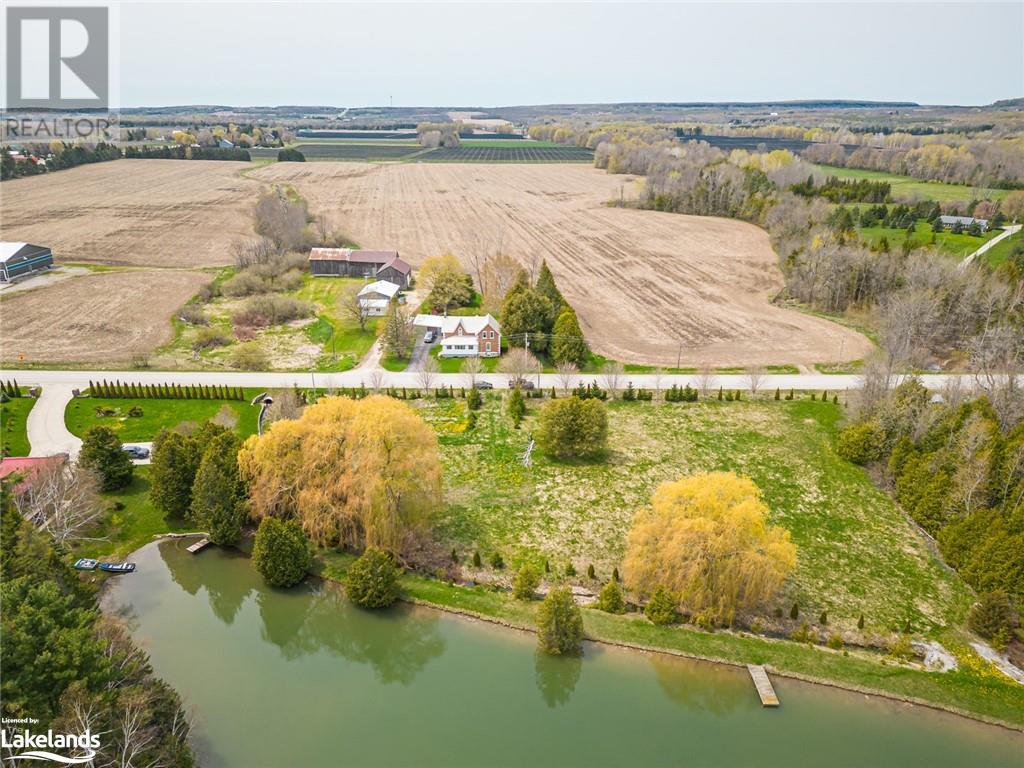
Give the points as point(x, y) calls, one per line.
point(500, 54)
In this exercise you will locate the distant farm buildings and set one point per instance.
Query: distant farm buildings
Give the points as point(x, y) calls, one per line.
point(345, 262)
point(375, 297)
point(464, 335)
point(963, 222)
point(23, 259)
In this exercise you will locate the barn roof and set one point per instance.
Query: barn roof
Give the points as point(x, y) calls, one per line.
point(347, 254)
point(9, 250)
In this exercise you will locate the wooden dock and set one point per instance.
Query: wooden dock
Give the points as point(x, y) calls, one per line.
point(203, 543)
point(763, 685)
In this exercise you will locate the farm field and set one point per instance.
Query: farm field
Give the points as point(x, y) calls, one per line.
point(346, 151)
point(906, 187)
point(165, 213)
point(516, 154)
point(469, 151)
point(649, 287)
point(856, 552)
point(104, 318)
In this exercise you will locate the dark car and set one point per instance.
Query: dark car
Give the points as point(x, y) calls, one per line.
point(523, 384)
point(137, 451)
point(483, 385)
point(428, 337)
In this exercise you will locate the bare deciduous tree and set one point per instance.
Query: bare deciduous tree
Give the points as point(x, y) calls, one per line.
point(351, 306)
point(286, 405)
point(471, 368)
point(426, 375)
point(518, 364)
point(611, 376)
point(658, 374)
point(377, 379)
point(567, 372)
point(62, 500)
point(755, 378)
point(705, 379)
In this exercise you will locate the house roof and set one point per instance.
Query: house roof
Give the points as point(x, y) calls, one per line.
point(965, 220)
point(384, 287)
point(26, 467)
point(471, 324)
point(9, 250)
point(384, 259)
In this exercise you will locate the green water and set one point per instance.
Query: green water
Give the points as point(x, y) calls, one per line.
point(300, 678)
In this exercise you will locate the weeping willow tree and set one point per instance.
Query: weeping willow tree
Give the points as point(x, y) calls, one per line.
point(706, 539)
point(354, 473)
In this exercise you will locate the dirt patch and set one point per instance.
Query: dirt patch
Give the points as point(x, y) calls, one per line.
point(103, 317)
point(168, 213)
point(648, 286)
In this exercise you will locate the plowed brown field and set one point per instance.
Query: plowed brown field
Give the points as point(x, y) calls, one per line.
point(105, 318)
point(645, 284)
point(165, 213)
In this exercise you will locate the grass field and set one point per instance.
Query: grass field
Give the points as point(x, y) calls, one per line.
point(957, 246)
point(158, 414)
point(905, 187)
point(857, 553)
point(1000, 252)
point(14, 426)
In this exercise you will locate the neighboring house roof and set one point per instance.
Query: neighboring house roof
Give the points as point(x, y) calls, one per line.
point(9, 250)
point(965, 220)
point(27, 467)
point(383, 287)
point(386, 259)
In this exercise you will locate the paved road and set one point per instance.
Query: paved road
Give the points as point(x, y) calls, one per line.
point(48, 435)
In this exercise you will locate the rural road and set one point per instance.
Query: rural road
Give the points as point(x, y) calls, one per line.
point(48, 435)
point(1007, 231)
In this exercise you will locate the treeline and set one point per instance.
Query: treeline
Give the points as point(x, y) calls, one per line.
point(72, 668)
point(838, 190)
point(182, 152)
point(537, 316)
point(922, 130)
point(957, 468)
point(165, 391)
point(55, 156)
point(439, 134)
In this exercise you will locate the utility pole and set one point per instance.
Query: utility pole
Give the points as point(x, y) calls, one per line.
point(679, 356)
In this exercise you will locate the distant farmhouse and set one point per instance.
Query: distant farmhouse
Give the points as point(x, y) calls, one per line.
point(344, 262)
point(376, 296)
point(23, 259)
point(464, 336)
point(963, 221)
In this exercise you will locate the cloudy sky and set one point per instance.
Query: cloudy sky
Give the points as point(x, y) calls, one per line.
point(493, 54)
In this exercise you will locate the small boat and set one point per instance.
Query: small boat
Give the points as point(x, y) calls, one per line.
point(85, 564)
point(117, 567)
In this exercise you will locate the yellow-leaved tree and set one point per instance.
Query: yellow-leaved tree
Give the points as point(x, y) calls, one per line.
point(358, 473)
point(706, 539)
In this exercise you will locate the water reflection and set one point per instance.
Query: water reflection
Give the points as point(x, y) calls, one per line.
point(226, 596)
point(556, 677)
point(686, 683)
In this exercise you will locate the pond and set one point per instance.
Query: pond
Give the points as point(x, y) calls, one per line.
point(302, 678)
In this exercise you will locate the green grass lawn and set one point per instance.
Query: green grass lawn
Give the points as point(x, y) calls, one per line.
point(454, 364)
point(350, 342)
point(857, 553)
point(957, 246)
point(158, 414)
point(14, 425)
point(130, 522)
point(906, 187)
point(1000, 252)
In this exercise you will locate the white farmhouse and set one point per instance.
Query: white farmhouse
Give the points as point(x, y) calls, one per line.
point(375, 297)
point(465, 336)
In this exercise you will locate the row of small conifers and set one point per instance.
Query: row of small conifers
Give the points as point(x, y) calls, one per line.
point(166, 391)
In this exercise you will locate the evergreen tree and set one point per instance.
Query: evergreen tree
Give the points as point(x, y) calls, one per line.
point(567, 343)
point(546, 287)
point(172, 472)
point(526, 582)
point(610, 599)
point(661, 608)
point(560, 623)
point(280, 552)
point(218, 493)
point(516, 406)
point(372, 581)
point(103, 454)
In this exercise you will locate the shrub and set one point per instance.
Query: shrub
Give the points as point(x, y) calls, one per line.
point(610, 599)
point(560, 623)
point(901, 648)
point(591, 574)
point(276, 309)
point(794, 611)
point(208, 338)
point(861, 443)
point(992, 614)
point(661, 608)
point(372, 581)
point(193, 314)
point(497, 562)
point(823, 619)
point(573, 428)
point(526, 582)
point(835, 641)
point(281, 552)
point(804, 634)
point(474, 400)
point(249, 357)
point(570, 569)
point(860, 622)
point(477, 562)
point(103, 454)
point(245, 283)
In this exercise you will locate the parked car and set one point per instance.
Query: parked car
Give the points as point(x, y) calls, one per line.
point(523, 384)
point(428, 337)
point(137, 451)
point(483, 385)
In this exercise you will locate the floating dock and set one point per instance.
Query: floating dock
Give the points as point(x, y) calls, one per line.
point(764, 686)
point(203, 543)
